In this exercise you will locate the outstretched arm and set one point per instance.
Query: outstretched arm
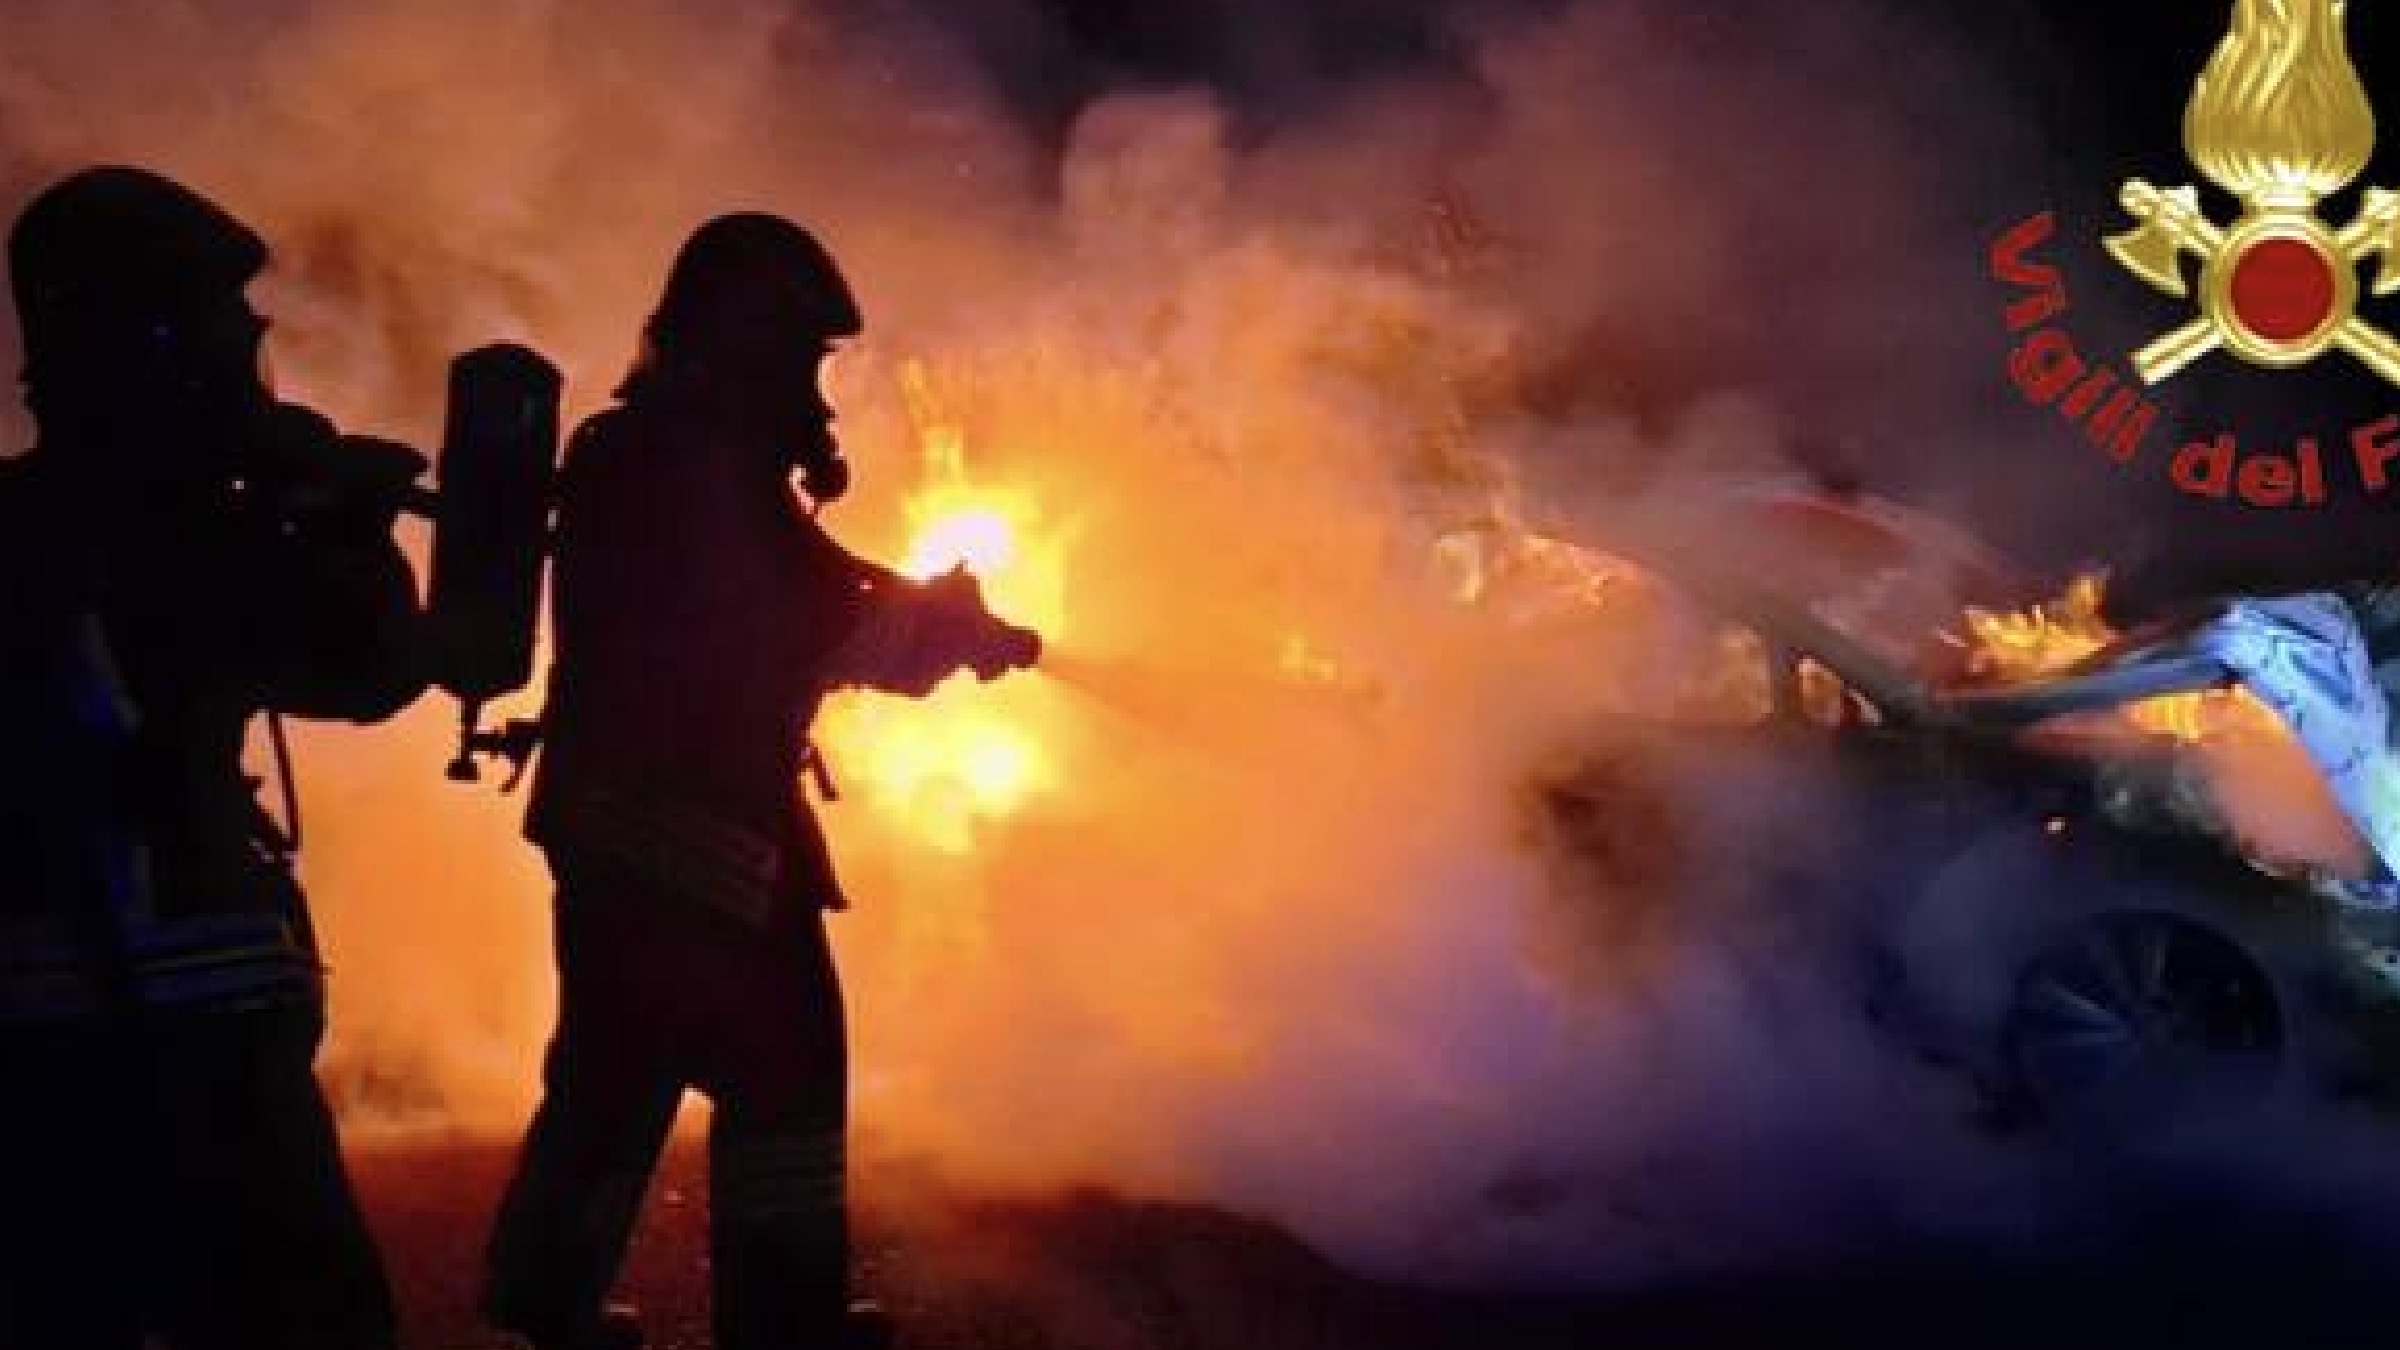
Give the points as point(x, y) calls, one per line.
point(908, 636)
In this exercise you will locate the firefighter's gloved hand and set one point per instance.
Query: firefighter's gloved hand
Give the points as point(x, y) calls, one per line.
point(1010, 648)
point(325, 482)
point(954, 631)
point(984, 643)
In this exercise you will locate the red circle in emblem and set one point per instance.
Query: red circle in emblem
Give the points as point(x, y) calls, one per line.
point(2282, 289)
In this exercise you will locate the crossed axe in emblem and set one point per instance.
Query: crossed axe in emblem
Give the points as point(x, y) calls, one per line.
point(2172, 224)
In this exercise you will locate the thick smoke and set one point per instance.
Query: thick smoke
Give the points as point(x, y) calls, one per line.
point(1290, 944)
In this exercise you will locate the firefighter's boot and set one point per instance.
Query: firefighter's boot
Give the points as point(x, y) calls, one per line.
point(618, 1327)
point(779, 1242)
point(554, 1256)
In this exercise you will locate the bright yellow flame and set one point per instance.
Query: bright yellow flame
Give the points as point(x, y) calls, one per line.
point(2014, 647)
point(944, 767)
point(976, 538)
point(942, 771)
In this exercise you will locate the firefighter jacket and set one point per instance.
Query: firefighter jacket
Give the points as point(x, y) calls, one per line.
point(137, 868)
point(701, 614)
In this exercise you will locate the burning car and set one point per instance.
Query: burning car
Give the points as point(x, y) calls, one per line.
point(2094, 871)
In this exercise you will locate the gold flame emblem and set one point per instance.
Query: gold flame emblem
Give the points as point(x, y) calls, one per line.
point(2281, 121)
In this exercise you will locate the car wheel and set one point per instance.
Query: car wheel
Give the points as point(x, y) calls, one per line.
point(2147, 1024)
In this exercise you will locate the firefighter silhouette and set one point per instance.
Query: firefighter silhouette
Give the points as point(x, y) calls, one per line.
point(701, 615)
point(170, 1167)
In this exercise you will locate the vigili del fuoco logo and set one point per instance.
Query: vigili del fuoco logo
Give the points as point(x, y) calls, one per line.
point(2281, 121)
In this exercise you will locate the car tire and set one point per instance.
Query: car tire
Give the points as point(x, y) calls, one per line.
point(2149, 1026)
point(2027, 929)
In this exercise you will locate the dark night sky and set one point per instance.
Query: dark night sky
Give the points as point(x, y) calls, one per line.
point(2099, 87)
point(2123, 65)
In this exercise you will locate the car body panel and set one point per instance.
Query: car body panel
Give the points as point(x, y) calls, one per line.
point(1939, 795)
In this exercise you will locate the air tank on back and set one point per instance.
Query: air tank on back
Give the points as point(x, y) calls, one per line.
point(498, 473)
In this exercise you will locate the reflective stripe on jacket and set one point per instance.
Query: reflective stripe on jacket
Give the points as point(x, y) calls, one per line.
point(51, 973)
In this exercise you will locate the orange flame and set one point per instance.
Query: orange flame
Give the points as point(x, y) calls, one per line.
point(2246, 779)
point(2010, 648)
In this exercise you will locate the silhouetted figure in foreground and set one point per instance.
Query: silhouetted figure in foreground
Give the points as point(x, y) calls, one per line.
point(702, 614)
point(170, 568)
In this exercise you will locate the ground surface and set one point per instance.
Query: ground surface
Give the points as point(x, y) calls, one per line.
point(1093, 1272)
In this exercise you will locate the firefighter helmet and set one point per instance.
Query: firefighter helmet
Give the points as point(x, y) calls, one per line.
point(113, 238)
point(747, 276)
